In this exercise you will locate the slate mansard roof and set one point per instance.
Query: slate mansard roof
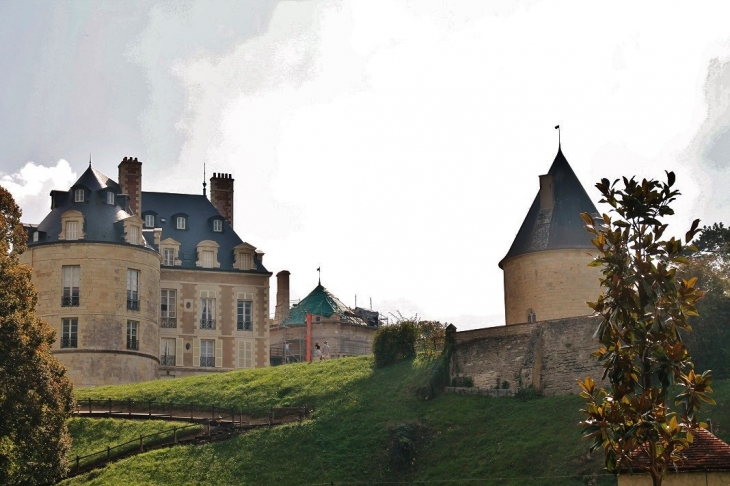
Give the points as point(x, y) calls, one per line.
point(103, 221)
point(561, 226)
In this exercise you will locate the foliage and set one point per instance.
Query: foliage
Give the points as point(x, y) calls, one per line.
point(710, 339)
point(472, 439)
point(394, 343)
point(35, 393)
point(464, 381)
point(643, 307)
point(528, 393)
point(431, 337)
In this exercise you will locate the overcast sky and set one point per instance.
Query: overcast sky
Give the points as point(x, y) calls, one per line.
point(396, 144)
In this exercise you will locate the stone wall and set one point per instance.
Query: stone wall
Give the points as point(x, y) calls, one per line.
point(553, 284)
point(549, 355)
point(344, 339)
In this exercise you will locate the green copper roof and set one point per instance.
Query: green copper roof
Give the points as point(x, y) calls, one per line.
point(320, 302)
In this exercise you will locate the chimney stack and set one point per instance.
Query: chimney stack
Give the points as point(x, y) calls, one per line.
point(282, 297)
point(221, 195)
point(130, 178)
point(547, 194)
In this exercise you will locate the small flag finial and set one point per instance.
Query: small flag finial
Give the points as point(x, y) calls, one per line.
point(319, 276)
point(557, 127)
point(89, 159)
point(204, 184)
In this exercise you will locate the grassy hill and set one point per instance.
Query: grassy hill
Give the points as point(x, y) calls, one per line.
point(369, 427)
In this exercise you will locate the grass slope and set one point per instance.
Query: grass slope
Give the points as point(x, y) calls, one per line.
point(456, 439)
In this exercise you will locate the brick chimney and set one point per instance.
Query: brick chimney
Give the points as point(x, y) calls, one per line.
point(282, 297)
point(130, 178)
point(221, 195)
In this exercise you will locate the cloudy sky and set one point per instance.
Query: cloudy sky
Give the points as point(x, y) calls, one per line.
point(396, 144)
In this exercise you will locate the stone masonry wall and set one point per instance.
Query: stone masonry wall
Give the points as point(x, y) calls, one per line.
point(549, 355)
point(554, 284)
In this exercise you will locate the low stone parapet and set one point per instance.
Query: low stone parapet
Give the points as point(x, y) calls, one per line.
point(492, 392)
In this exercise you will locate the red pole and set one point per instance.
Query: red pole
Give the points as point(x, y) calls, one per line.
point(309, 338)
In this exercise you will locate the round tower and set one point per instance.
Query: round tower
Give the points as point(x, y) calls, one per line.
point(98, 284)
point(546, 272)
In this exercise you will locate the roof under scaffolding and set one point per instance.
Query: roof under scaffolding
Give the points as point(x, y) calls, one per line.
point(321, 302)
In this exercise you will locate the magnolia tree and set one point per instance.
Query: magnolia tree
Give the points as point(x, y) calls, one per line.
point(644, 306)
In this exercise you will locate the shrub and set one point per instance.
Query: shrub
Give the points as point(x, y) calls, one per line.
point(394, 343)
point(464, 381)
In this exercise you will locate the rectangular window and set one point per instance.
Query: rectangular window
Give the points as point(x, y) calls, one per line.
point(36, 235)
point(132, 336)
point(70, 296)
point(133, 289)
point(110, 198)
point(217, 225)
point(69, 333)
point(207, 315)
point(168, 302)
point(181, 222)
point(207, 259)
point(167, 351)
point(72, 230)
point(243, 315)
point(134, 235)
point(79, 195)
point(168, 257)
point(149, 220)
point(207, 353)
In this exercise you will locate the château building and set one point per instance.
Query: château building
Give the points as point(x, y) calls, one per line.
point(140, 285)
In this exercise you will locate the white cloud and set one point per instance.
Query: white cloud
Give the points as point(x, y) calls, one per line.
point(32, 184)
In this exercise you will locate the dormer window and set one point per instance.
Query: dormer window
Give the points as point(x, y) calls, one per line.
point(72, 226)
point(79, 195)
point(208, 254)
point(149, 220)
point(180, 222)
point(110, 198)
point(217, 225)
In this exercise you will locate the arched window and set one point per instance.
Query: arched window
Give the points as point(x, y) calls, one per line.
point(531, 317)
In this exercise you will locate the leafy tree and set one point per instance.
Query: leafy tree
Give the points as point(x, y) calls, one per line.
point(395, 342)
point(431, 336)
point(710, 341)
point(35, 393)
point(643, 307)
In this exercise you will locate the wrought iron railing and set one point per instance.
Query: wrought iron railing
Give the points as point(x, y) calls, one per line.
point(70, 301)
point(167, 360)
point(68, 342)
point(133, 343)
point(132, 304)
point(244, 326)
point(207, 361)
point(168, 322)
point(207, 323)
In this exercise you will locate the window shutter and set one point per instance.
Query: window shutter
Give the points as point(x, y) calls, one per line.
point(196, 352)
point(218, 353)
point(248, 346)
point(179, 352)
point(241, 354)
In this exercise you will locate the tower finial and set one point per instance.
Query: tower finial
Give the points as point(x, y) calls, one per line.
point(204, 183)
point(89, 159)
point(319, 276)
point(557, 127)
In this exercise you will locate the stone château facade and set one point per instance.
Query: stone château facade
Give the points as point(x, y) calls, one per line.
point(140, 285)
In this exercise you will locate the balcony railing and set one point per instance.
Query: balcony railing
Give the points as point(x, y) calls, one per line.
point(207, 361)
point(207, 323)
point(244, 326)
point(167, 360)
point(68, 342)
point(133, 343)
point(133, 304)
point(70, 301)
point(168, 322)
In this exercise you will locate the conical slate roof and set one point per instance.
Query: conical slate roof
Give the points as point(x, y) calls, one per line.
point(321, 302)
point(559, 226)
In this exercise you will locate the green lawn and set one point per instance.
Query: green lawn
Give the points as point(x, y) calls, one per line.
point(369, 427)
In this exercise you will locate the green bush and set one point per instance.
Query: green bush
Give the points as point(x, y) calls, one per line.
point(394, 343)
point(465, 381)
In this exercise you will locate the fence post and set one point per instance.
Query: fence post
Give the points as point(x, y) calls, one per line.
point(149, 407)
point(233, 418)
point(174, 433)
point(89, 406)
point(209, 429)
point(109, 401)
point(129, 407)
point(212, 412)
point(170, 409)
point(108, 453)
point(191, 412)
point(141, 445)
